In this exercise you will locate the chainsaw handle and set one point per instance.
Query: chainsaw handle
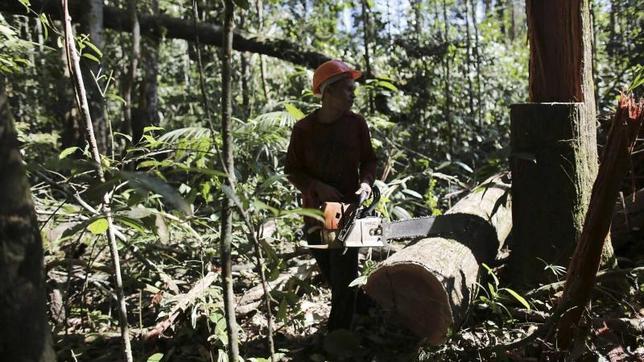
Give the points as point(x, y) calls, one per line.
point(375, 198)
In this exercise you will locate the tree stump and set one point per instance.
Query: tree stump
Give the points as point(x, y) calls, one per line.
point(429, 284)
point(553, 164)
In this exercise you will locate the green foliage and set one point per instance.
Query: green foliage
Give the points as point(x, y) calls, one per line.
point(495, 296)
point(437, 111)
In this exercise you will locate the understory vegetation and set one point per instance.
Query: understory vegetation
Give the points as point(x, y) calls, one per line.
point(440, 77)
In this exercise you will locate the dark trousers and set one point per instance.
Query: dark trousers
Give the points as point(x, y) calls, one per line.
point(339, 267)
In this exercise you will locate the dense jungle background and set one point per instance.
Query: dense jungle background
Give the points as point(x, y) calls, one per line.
point(440, 76)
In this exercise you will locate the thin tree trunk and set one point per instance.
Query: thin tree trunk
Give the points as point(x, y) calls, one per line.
point(500, 15)
point(92, 24)
point(227, 207)
point(447, 93)
point(24, 335)
point(73, 62)
point(244, 75)
point(367, 57)
point(468, 61)
point(512, 20)
point(147, 113)
point(259, 7)
point(134, 63)
point(479, 100)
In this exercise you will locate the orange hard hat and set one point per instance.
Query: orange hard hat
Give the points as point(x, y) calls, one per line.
point(330, 69)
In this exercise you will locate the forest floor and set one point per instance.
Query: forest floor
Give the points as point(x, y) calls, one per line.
point(613, 329)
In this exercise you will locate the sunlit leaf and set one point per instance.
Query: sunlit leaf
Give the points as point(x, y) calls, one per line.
point(98, 227)
point(67, 152)
point(91, 57)
point(157, 357)
point(294, 111)
point(518, 297)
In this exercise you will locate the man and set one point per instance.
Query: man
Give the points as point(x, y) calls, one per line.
point(330, 158)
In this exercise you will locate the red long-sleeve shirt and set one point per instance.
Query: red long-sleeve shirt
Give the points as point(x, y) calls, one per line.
point(338, 153)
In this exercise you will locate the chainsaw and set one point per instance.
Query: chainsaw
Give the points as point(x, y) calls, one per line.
point(357, 226)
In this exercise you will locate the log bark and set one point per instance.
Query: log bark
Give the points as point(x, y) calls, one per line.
point(554, 163)
point(583, 267)
point(164, 26)
point(24, 335)
point(429, 284)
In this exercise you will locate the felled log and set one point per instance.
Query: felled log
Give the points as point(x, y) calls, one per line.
point(429, 284)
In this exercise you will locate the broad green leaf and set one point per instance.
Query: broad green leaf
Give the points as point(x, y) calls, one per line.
point(294, 111)
point(518, 297)
point(66, 152)
point(157, 357)
point(98, 227)
point(156, 185)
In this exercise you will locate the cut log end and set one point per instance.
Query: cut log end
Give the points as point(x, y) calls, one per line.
point(416, 296)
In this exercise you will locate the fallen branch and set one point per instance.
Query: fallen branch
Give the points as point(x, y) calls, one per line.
point(185, 301)
point(250, 300)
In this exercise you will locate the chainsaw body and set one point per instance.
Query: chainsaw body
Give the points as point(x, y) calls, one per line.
point(356, 226)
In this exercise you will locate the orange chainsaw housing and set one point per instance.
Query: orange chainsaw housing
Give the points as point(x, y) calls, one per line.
point(333, 214)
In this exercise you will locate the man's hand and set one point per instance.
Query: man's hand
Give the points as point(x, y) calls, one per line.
point(325, 192)
point(363, 192)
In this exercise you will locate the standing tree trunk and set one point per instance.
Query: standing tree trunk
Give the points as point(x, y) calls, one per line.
point(147, 113)
point(479, 102)
point(259, 7)
point(468, 61)
point(24, 332)
point(367, 57)
point(73, 62)
point(554, 145)
point(244, 75)
point(229, 166)
point(134, 63)
point(92, 24)
point(446, 73)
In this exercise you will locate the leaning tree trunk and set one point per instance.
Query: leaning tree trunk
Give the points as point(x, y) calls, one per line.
point(24, 333)
point(429, 285)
